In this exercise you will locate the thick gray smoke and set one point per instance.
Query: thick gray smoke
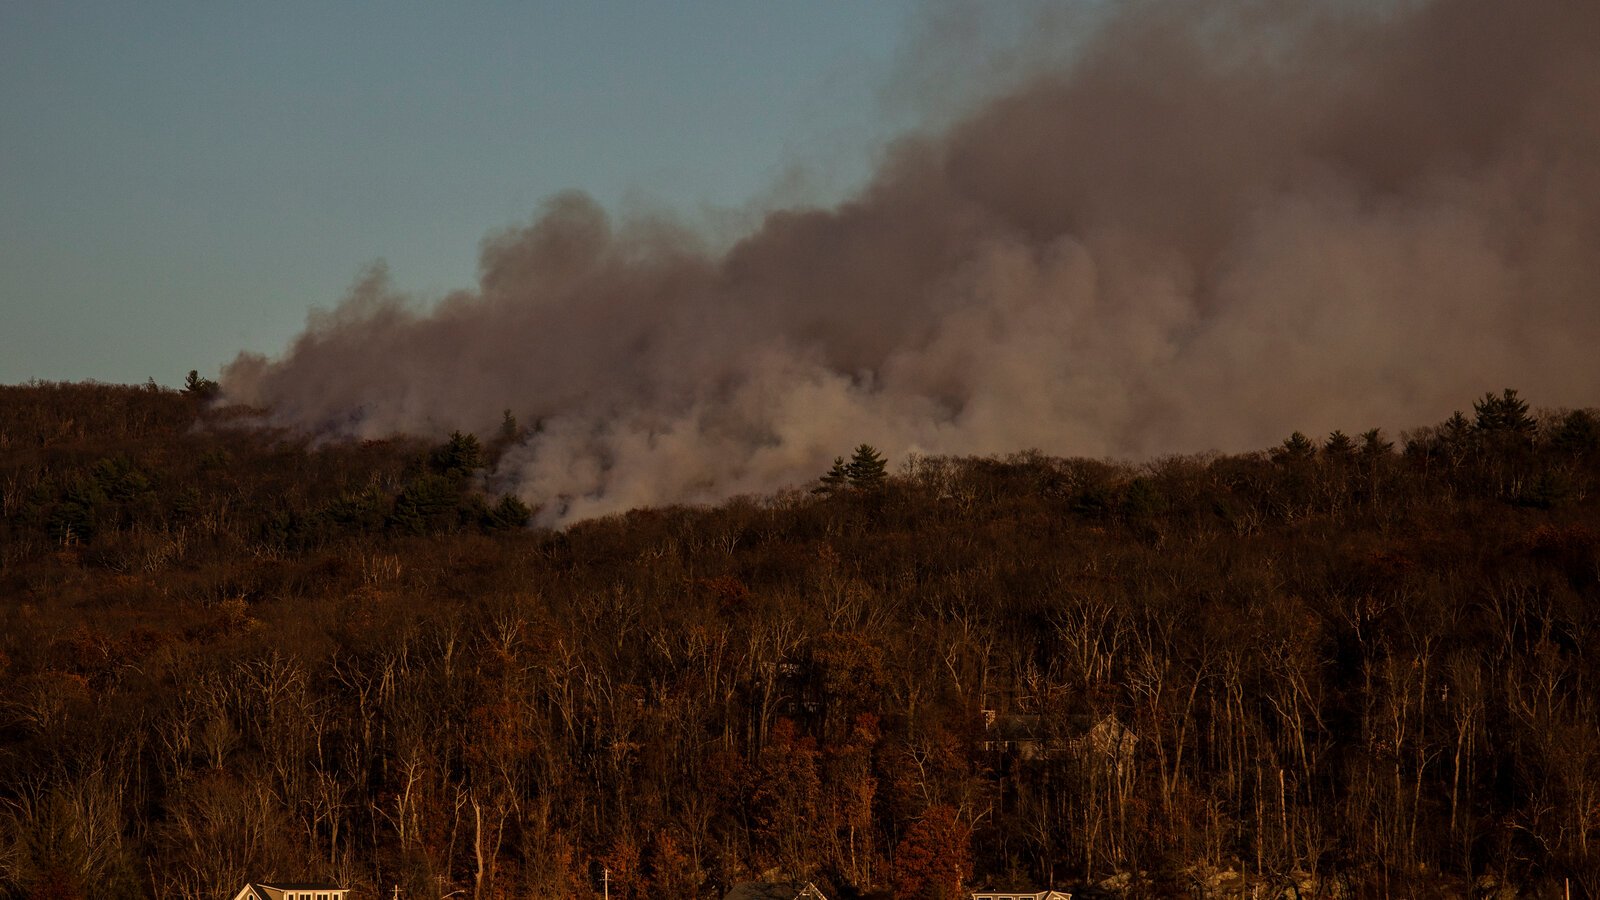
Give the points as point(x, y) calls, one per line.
point(1208, 230)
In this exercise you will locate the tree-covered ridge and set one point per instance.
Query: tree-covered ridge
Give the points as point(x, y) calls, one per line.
point(231, 655)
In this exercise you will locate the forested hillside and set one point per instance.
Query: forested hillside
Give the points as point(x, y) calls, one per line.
point(1345, 664)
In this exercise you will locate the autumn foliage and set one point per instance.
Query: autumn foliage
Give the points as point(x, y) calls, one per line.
point(1358, 665)
point(934, 858)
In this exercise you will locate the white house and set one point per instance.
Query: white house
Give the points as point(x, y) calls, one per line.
point(295, 891)
point(1034, 738)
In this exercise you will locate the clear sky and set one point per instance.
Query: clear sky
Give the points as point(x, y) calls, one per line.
point(180, 181)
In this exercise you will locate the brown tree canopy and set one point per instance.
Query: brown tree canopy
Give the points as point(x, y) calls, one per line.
point(227, 653)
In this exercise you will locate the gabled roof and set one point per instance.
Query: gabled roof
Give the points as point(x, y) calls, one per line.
point(263, 890)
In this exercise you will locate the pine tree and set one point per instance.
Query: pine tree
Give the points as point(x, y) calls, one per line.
point(837, 479)
point(1295, 448)
point(1374, 445)
point(202, 388)
point(428, 505)
point(867, 469)
point(510, 512)
point(1339, 446)
point(1577, 434)
point(1506, 415)
point(458, 456)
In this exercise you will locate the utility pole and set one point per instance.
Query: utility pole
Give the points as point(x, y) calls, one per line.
point(605, 882)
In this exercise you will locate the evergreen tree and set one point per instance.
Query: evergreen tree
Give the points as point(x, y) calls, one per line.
point(1577, 434)
point(867, 469)
point(510, 512)
point(836, 480)
point(201, 388)
point(428, 505)
point(1339, 446)
point(356, 512)
point(1374, 445)
point(1505, 416)
point(1457, 436)
point(1295, 448)
point(458, 456)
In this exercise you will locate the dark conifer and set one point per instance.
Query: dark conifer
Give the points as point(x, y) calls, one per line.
point(1295, 448)
point(1339, 446)
point(201, 388)
point(837, 479)
point(458, 456)
point(1504, 416)
point(867, 469)
point(1374, 445)
point(1577, 434)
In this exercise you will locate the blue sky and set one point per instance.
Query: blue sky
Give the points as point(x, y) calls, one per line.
point(180, 181)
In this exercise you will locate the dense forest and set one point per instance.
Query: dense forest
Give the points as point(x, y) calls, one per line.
point(1346, 666)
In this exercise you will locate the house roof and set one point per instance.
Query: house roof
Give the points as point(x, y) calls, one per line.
point(1029, 727)
point(775, 890)
point(272, 890)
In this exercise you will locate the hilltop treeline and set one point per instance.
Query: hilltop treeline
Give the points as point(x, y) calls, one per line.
point(1346, 664)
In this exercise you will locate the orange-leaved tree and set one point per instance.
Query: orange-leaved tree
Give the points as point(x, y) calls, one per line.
point(934, 857)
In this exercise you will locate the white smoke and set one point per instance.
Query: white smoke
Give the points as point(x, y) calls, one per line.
point(1204, 232)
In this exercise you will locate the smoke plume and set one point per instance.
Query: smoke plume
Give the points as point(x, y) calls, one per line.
point(1205, 230)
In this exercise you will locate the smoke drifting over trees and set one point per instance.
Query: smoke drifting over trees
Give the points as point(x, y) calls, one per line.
point(1208, 229)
